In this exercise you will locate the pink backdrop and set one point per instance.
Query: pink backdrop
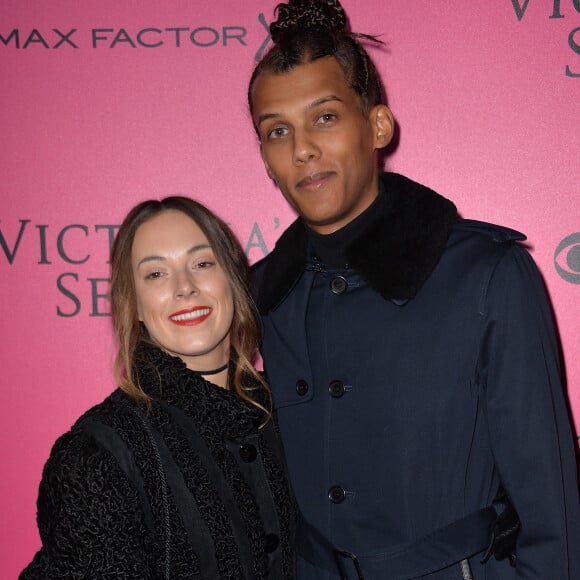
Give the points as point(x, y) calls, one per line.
point(106, 103)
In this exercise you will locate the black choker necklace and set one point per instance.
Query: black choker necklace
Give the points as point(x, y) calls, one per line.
point(215, 371)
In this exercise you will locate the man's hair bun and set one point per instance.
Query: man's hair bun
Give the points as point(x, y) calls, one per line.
point(301, 14)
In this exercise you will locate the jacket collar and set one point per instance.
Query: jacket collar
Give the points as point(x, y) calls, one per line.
point(166, 379)
point(395, 254)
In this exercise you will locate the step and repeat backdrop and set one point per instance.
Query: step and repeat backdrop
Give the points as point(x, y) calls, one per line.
point(104, 104)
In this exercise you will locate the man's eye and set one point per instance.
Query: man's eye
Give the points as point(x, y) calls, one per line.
point(326, 118)
point(278, 132)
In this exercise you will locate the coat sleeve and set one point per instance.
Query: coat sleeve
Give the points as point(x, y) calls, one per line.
point(88, 516)
point(528, 420)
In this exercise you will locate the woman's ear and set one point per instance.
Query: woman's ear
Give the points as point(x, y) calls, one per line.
point(383, 125)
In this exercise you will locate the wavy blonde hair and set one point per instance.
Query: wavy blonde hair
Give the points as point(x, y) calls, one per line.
point(129, 332)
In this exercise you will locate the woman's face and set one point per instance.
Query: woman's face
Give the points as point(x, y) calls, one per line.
point(183, 294)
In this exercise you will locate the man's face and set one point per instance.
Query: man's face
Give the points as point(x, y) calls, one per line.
point(318, 143)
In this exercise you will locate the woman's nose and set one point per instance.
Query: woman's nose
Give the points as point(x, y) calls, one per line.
point(185, 285)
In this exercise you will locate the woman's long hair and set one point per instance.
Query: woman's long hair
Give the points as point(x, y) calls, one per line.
point(129, 332)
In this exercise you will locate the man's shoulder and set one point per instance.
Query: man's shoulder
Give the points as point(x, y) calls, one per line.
point(487, 231)
point(281, 267)
point(259, 266)
point(258, 271)
point(479, 247)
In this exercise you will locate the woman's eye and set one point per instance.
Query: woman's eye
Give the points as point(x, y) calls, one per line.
point(154, 275)
point(205, 264)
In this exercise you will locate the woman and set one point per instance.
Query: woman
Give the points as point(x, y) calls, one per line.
point(179, 473)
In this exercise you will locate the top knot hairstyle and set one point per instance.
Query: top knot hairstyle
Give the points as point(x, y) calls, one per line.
point(306, 30)
point(305, 14)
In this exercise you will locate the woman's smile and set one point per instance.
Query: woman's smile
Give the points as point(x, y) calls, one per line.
point(191, 316)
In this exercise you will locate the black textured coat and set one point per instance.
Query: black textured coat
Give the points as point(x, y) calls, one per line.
point(195, 490)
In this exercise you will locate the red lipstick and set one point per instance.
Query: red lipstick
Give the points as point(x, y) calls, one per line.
point(191, 316)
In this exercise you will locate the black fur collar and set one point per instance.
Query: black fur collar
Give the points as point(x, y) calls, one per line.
point(396, 254)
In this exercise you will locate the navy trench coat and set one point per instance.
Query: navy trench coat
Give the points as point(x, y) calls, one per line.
point(412, 384)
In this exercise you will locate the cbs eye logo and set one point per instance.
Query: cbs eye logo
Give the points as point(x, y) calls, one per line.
point(567, 258)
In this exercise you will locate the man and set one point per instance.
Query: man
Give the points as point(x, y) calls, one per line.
point(411, 354)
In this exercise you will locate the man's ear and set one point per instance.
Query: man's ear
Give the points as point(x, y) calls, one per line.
point(268, 170)
point(383, 125)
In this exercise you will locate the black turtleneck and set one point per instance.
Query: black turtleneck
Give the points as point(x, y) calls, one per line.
point(330, 249)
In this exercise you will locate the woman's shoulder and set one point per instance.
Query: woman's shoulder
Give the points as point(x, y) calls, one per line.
point(112, 404)
point(73, 448)
point(87, 508)
point(83, 460)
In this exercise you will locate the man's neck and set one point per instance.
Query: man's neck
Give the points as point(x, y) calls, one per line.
point(330, 249)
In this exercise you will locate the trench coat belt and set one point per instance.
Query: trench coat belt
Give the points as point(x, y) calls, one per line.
point(441, 548)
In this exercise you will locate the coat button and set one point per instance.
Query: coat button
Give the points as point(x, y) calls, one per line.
point(336, 494)
point(338, 285)
point(248, 452)
point(271, 542)
point(301, 387)
point(336, 389)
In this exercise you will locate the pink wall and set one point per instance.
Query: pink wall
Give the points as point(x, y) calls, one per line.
point(488, 116)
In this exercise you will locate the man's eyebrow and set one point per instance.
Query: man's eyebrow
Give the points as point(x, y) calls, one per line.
point(191, 250)
point(323, 100)
point(267, 116)
point(315, 103)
